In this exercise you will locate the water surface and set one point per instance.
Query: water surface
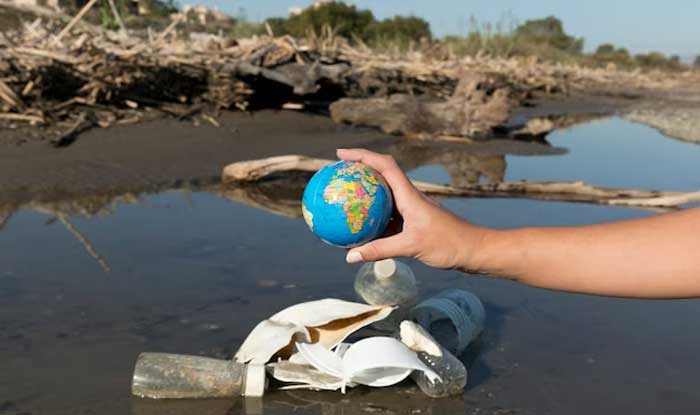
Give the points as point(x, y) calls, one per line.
point(193, 272)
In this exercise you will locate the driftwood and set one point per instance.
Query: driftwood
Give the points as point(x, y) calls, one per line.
point(475, 108)
point(254, 170)
point(117, 16)
point(52, 72)
point(86, 8)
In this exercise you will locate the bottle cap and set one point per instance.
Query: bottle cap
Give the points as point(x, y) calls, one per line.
point(255, 382)
point(385, 268)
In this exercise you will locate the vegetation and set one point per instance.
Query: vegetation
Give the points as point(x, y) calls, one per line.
point(608, 54)
point(549, 32)
point(543, 38)
point(352, 23)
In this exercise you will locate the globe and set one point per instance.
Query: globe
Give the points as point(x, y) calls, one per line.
point(347, 204)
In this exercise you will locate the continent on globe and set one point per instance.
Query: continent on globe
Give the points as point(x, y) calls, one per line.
point(356, 197)
point(347, 204)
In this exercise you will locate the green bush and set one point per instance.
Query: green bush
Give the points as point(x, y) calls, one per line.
point(544, 38)
point(696, 62)
point(399, 28)
point(549, 31)
point(162, 8)
point(345, 19)
point(352, 23)
point(651, 59)
point(608, 53)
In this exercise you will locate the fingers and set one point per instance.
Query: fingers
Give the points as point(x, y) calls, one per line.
point(400, 185)
point(392, 247)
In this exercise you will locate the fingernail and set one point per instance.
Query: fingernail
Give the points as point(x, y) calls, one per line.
point(354, 257)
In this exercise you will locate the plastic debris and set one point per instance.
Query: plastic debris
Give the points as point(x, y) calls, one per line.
point(327, 322)
point(174, 376)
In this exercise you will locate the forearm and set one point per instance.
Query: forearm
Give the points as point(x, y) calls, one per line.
point(657, 257)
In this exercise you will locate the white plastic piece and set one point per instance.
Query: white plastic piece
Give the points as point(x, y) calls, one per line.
point(385, 268)
point(331, 320)
point(418, 340)
point(255, 381)
point(375, 361)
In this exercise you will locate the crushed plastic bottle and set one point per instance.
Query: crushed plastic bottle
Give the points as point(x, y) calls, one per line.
point(452, 373)
point(387, 283)
point(173, 376)
point(462, 310)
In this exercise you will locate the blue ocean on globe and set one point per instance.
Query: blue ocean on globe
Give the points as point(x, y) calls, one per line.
point(347, 204)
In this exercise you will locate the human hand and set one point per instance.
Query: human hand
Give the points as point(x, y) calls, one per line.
point(429, 233)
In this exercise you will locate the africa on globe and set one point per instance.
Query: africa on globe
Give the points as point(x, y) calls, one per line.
point(347, 204)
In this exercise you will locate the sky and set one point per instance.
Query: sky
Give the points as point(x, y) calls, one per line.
point(669, 26)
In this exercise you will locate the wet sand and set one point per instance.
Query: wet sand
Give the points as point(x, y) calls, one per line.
point(166, 154)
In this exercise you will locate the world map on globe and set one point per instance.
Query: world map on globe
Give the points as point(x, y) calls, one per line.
point(347, 203)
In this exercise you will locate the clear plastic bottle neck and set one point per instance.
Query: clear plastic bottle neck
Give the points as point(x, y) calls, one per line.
point(384, 269)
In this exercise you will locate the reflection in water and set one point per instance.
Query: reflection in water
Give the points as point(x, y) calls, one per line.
point(4, 218)
point(465, 163)
point(463, 166)
point(402, 399)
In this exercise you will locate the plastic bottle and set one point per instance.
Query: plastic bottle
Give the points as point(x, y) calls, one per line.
point(451, 312)
point(453, 374)
point(163, 375)
point(387, 282)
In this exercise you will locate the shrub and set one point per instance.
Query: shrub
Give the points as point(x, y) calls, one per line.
point(607, 53)
point(345, 19)
point(549, 31)
point(651, 60)
point(352, 23)
point(399, 28)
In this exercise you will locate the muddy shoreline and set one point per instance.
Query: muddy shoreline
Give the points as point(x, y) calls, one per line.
point(167, 153)
point(163, 154)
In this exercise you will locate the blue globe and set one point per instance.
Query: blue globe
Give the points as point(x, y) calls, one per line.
point(347, 204)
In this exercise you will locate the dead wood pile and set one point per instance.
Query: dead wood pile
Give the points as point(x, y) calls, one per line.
point(71, 77)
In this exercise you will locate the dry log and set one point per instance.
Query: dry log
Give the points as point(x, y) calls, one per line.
point(82, 124)
point(75, 20)
point(474, 110)
point(22, 117)
point(104, 71)
point(178, 19)
point(254, 170)
point(9, 96)
point(117, 16)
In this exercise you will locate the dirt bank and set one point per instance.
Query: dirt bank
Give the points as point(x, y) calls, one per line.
point(166, 153)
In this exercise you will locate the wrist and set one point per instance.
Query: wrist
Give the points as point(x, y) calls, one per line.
point(492, 252)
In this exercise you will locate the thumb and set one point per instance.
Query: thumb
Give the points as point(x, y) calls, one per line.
point(379, 249)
